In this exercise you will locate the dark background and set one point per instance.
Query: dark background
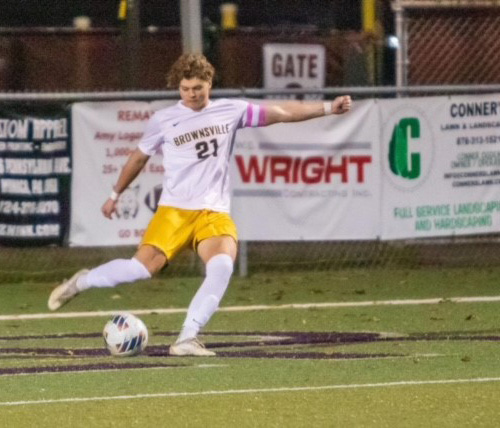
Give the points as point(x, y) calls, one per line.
point(340, 14)
point(35, 58)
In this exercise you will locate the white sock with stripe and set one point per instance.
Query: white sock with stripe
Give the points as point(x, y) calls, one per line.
point(206, 300)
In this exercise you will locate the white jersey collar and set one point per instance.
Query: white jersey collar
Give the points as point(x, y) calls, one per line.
point(181, 105)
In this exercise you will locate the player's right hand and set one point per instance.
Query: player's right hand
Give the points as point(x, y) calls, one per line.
point(108, 208)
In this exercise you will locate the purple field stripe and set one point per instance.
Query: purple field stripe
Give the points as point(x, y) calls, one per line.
point(284, 334)
point(54, 336)
point(286, 337)
point(91, 352)
point(55, 351)
point(82, 368)
point(74, 336)
point(305, 355)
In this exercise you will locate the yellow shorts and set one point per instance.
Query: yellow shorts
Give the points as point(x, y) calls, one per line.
point(172, 229)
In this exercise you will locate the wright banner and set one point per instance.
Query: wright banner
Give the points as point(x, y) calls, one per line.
point(35, 175)
point(441, 166)
point(314, 180)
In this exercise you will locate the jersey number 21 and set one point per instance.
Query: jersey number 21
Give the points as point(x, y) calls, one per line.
point(205, 150)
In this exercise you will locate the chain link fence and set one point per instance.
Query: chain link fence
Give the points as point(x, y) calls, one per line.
point(472, 252)
point(446, 42)
point(462, 49)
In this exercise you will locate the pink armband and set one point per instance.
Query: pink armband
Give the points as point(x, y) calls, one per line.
point(255, 115)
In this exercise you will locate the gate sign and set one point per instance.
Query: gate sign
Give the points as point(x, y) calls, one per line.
point(294, 66)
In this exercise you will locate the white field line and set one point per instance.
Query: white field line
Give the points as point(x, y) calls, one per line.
point(253, 391)
point(169, 311)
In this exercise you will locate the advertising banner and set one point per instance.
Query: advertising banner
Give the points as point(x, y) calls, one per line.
point(105, 134)
point(314, 180)
point(35, 175)
point(390, 169)
point(441, 166)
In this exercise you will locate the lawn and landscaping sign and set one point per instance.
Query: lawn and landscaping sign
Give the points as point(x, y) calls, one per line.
point(441, 166)
point(35, 175)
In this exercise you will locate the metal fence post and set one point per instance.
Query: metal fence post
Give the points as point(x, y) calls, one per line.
point(192, 37)
point(399, 19)
point(243, 258)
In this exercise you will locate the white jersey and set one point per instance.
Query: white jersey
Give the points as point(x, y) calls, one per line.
point(196, 147)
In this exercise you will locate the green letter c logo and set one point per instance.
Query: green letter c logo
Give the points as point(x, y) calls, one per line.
point(400, 163)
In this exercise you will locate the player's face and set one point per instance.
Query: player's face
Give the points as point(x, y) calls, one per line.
point(195, 93)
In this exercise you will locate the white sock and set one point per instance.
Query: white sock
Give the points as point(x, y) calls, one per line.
point(206, 300)
point(115, 272)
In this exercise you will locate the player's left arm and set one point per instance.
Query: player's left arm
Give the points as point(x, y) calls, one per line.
point(297, 111)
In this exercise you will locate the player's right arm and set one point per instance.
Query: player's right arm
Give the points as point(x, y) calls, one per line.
point(135, 163)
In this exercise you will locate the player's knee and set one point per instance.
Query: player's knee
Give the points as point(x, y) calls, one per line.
point(156, 265)
point(153, 259)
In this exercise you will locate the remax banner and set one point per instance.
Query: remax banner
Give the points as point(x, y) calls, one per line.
point(441, 166)
point(105, 134)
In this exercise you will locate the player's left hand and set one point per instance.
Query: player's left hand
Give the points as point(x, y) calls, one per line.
point(341, 104)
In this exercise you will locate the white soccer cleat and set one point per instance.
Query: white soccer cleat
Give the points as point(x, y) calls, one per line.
point(190, 347)
point(65, 292)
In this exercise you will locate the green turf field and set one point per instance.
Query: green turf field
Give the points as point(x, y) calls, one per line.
point(392, 364)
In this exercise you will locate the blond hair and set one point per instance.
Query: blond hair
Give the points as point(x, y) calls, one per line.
point(190, 66)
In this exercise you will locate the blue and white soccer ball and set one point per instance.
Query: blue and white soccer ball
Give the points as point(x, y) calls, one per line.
point(125, 335)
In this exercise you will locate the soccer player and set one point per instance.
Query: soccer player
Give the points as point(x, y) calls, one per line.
point(196, 136)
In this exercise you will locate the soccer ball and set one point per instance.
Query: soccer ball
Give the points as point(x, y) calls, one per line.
point(125, 335)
